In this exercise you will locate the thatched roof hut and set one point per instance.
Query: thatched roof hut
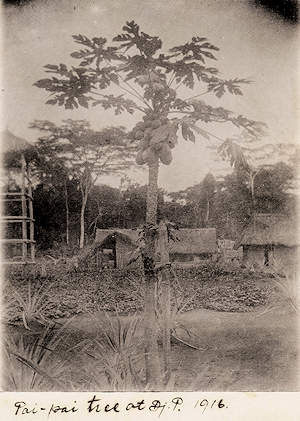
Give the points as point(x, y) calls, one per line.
point(127, 235)
point(191, 244)
point(271, 239)
point(194, 241)
point(121, 243)
point(11, 142)
point(275, 229)
point(190, 241)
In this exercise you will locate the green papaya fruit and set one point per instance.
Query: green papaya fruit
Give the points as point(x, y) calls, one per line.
point(143, 144)
point(140, 126)
point(139, 135)
point(172, 138)
point(165, 154)
point(158, 86)
point(172, 141)
point(139, 158)
point(130, 136)
point(159, 135)
point(156, 123)
point(148, 133)
point(156, 146)
point(149, 155)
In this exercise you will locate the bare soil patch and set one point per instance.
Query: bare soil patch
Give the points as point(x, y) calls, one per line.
point(240, 351)
point(236, 351)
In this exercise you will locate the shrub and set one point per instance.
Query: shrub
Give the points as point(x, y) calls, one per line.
point(36, 362)
point(116, 360)
point(33, 303)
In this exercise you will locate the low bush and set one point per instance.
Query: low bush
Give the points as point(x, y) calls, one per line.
point(36, 362)
point(217, 287)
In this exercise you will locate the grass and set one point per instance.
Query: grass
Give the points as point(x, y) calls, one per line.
point(181, 299)
point(285, 293)
point(36, 362)
point(29, 304)
point(113, 359)
point(33, 304)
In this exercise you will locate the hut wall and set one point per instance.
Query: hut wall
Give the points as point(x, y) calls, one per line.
point(283, 257)
point(181, 257)
point(287, 257)
point(254, 254)
point(123, 250)
point(189, 257)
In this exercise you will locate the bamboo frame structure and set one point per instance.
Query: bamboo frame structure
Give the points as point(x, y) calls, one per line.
point(26, 219)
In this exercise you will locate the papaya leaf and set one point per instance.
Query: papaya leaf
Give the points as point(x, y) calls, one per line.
point(200, 131)
point(191, 135)
point(184, 130)
point(230, 149)
point(51, 67)
point(83, 101)
point(52, 101)
point(119, 103)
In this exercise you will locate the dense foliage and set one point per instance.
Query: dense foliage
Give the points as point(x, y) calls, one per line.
point(225, 204)
point(218, 287)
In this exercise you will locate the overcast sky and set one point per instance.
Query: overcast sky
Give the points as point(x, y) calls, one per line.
point(253, 44)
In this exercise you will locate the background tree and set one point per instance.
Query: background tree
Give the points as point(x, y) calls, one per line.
point(83, 154)
point(208, 193)
point(233, 204)
point(53, 179)
point(175, 209)
point(199, 202)
point(103, 209)
point(134, 205)
point(272, 188)
point(262, 159)
point(154, 81)
point(230, 199)
point(49, 205)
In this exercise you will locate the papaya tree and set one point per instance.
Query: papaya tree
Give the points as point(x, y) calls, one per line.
point(133, 74)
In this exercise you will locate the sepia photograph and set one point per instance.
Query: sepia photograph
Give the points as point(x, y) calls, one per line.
point(149, 200)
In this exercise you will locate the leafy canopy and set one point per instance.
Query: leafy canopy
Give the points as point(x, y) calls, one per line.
point(148, 80)
point(77, 149)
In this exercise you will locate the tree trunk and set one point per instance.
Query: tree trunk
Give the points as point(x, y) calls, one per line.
point(150, 331)
point(84, 200)
point(86, 184)
point(251, 181)
point(165, 295)
point(67, 214)
point(207, 214)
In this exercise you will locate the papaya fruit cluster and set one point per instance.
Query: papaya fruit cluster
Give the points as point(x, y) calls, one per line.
point(157, 136)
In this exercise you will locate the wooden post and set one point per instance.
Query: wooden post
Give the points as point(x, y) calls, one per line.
point(31, 222)
point(163, 249)
point(24, 212)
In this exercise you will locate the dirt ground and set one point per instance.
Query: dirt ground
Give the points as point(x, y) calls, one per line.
point(240, 351)
point(253, 351)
